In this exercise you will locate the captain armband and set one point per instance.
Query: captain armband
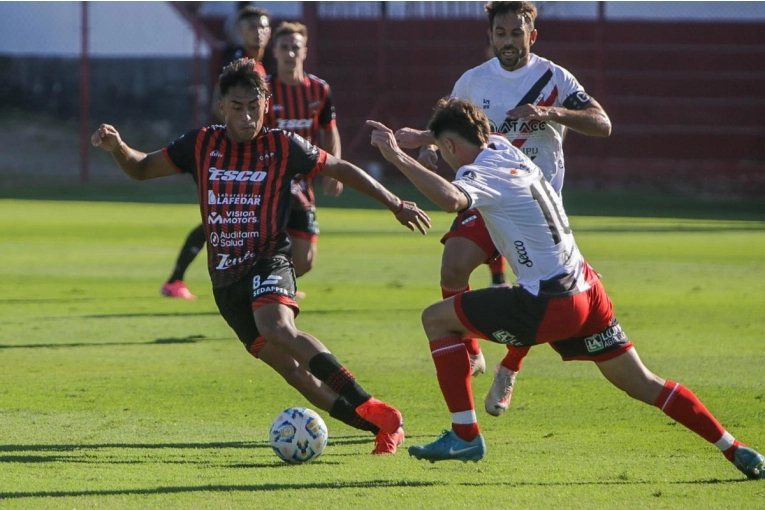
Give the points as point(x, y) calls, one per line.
point(577, 101)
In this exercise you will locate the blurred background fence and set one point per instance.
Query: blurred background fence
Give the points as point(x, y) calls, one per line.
point(683, 82)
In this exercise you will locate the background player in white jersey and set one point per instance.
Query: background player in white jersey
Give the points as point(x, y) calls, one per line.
point(559, 299)
point(531, 101)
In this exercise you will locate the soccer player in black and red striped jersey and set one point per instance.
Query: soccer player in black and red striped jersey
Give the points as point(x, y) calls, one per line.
point(243, 173)
point(254, 26)
point(302, 103)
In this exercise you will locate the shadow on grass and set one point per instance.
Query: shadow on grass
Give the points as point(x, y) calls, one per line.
point(369, 484)
point(159, 341)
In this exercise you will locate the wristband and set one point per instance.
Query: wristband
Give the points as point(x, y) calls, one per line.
point(400, 206)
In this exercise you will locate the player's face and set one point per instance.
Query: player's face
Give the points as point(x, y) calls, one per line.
point(255, 32)
point(511, 41)
point(243, 110)
point(446, 148)
point(290, 52)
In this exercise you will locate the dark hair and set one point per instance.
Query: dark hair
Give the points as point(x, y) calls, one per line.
point(288, 28)
point(251, 11)
point(243, 73)
point(525, 9)
point(461, 117)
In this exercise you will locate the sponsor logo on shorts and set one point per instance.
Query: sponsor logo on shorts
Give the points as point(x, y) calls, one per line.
point(268, 286)
point(232, 199)
point(232, 218)
point(505, 337)
point(609, 337)
point(470, 218)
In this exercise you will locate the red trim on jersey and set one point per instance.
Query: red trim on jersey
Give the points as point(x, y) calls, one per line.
point(322, 161)
point(313, 238)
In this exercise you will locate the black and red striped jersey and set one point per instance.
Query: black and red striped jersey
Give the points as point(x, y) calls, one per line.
point(304, 109)
point(244, 192)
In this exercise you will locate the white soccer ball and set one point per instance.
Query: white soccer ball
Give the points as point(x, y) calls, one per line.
point(298, 435)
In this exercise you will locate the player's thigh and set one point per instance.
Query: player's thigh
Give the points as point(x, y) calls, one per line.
point(460, 257)
point(628, 373)
point(235, 307)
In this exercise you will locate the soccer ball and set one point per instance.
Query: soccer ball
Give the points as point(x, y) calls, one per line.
point(298, 435)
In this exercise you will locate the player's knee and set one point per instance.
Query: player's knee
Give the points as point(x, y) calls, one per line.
point(302, 266)
point(455, 274)
point(432, 321)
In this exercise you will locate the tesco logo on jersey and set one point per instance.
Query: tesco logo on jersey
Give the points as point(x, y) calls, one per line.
point(216, 174)
point(293, 124)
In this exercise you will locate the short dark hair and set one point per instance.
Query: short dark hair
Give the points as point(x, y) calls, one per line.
point(289, 28)
point(251, 11)
point(243, 72)
point(461, 117)
point(526, 9)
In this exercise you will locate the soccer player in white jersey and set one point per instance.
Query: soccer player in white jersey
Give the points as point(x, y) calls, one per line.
point(559, 298)
point(531, 101)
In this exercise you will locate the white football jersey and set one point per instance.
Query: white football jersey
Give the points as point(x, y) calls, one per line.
point(525, 219)
point(540, 82)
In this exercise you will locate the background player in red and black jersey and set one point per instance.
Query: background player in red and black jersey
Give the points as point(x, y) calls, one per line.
point(302, 103)
point(243, 173)
point(254, 27)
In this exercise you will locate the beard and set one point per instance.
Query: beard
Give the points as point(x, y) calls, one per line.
point(510, 63)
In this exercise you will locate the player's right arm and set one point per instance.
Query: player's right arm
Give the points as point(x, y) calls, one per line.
point(136, 164)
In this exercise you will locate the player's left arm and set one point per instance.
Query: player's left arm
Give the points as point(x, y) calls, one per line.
point(441, 192)
point(589, 118)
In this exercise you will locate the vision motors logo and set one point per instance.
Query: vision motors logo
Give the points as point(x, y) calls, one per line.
point(232, 218)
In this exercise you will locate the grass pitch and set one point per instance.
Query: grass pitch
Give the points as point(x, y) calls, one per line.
point(112, 396)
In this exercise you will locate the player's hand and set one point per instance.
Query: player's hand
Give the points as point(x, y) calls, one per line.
point(332, 187)
point(530, 112)
point(413, 217)
point(106, 137)
point(408, 138)
point(383, 139)
point(428, 158)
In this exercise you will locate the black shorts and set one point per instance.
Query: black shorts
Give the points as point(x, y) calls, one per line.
point(303, 224)
point(578, 327)
point(270, 280)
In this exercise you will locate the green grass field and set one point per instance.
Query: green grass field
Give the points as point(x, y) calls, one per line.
point(114, 397)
